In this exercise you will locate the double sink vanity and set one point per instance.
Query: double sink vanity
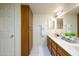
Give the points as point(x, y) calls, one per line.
point(61, 46)
point(65, 40)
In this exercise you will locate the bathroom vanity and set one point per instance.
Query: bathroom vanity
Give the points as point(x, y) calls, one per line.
point(55, 49)
point(59, 47)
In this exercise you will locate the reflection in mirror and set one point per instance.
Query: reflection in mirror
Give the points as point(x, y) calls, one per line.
point(59, 23)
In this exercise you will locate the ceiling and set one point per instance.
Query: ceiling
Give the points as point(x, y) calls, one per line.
point(74, 11)
point(50, 8)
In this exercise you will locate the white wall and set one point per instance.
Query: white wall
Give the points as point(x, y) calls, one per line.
point(38, 20)
point(17, 29)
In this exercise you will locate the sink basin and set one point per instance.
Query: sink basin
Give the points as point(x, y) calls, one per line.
point(70, 40)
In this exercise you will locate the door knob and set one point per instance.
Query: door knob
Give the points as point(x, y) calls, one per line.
point(12, 36)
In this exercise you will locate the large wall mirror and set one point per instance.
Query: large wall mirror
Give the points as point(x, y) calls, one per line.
point(60, 23)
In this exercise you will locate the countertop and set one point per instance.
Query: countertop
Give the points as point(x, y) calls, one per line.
point(71, 48)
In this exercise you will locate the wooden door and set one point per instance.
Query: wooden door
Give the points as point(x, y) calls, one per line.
point(77, 25)
point(30, 30)
point(24, 30)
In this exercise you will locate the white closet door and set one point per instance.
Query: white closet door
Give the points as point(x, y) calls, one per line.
point(7, 29)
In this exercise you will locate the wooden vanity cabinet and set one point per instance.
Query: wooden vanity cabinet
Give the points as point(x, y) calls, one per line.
point(55, 49)
point(61, 52)
point(49, 44)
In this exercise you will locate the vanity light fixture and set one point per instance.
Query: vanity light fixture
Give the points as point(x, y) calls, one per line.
point(59, 14)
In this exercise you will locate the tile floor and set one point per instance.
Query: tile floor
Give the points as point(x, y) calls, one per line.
point(40, 51)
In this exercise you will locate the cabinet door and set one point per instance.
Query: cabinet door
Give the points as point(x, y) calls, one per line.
point(62, 52)
point(53, 52)
point(58, 54)
point(53, 47)
point(49, 44)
